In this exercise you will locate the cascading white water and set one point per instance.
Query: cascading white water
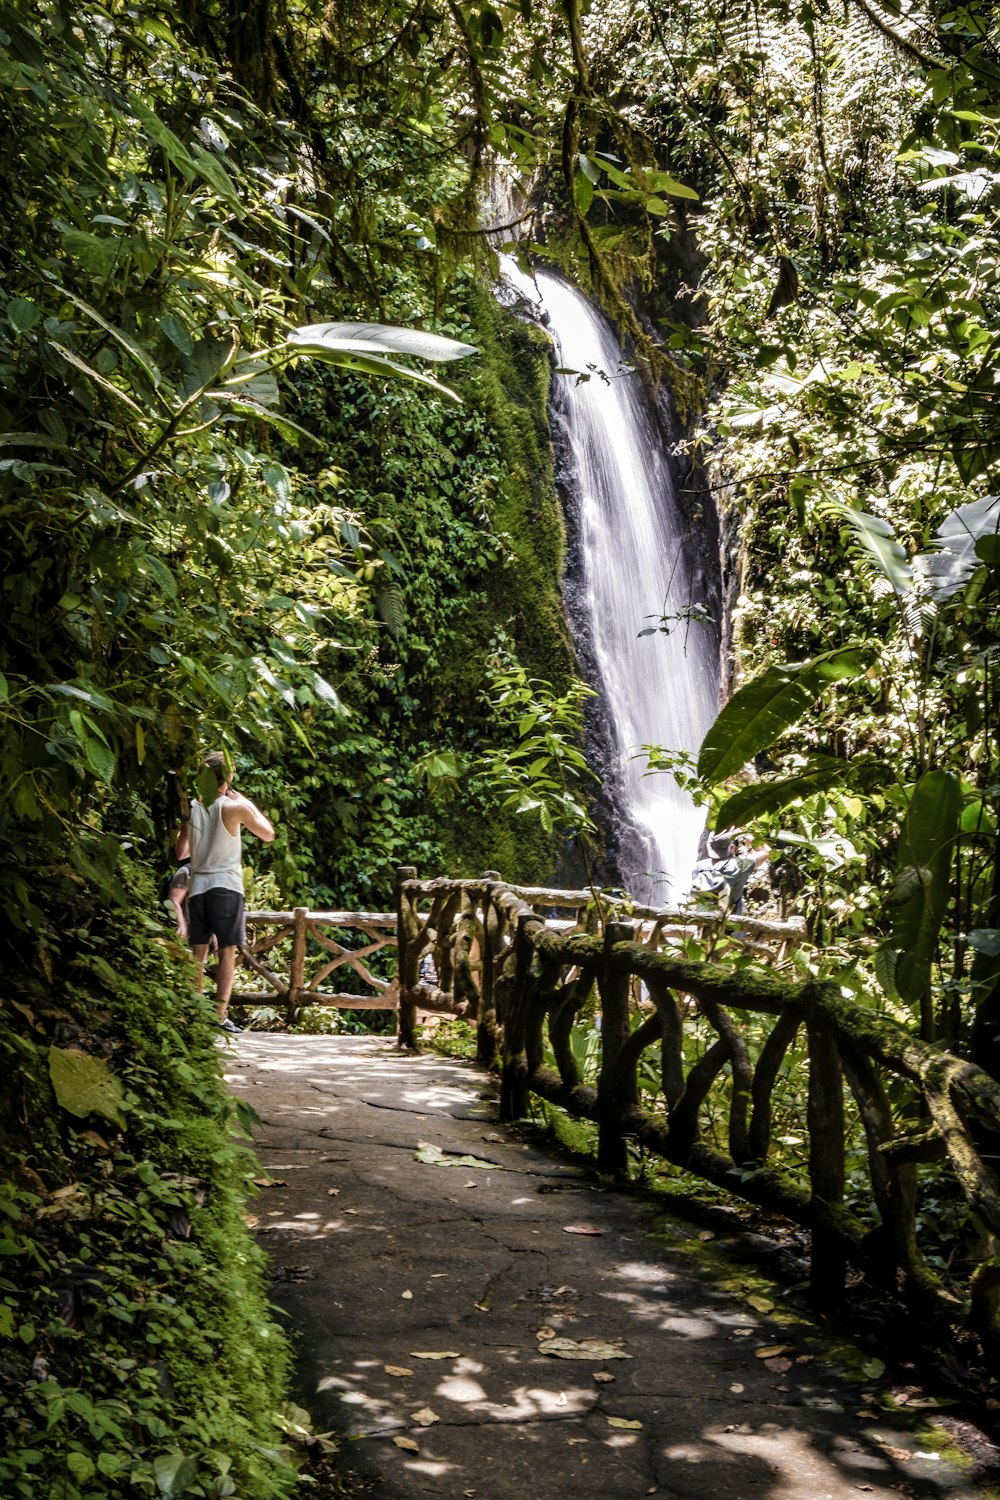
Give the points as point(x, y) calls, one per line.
point(636, 567)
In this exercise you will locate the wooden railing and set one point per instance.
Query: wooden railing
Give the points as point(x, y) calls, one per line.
point(738, 1045)
point(293, 954)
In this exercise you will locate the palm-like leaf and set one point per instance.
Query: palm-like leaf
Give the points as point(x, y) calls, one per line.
point(950, 566)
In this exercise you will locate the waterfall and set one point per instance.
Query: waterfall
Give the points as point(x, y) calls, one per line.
point(635, 563)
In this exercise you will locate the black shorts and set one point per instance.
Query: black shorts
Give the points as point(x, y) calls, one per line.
point(217, 911)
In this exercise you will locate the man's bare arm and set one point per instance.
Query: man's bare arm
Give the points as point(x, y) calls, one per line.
point(240, 811)
point(177, 894)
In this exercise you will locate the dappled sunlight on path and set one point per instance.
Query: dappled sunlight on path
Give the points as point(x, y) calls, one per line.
point(437, 1270)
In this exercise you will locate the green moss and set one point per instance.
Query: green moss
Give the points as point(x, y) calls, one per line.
point(936, 1440)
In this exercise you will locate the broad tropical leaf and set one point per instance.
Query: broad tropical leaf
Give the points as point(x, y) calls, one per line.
point(880, 545)
point(762, 709)
point(950, 566)
point(770, 796)
point(346, 357)
point(380, 338)
point(923, 868)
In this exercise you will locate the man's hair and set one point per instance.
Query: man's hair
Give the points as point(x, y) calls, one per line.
point(216, 763)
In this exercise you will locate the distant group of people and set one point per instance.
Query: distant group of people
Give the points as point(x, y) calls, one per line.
point(725, 872)
point(206, 890)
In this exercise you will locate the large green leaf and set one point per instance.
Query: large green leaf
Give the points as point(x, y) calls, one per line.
point(85, 1085)
point(380, 338)
point(955, 558)
point(370, 364)
point(750, 802)
point(762, 709)
point(879, 544)
point(174, 1472)
point(919, 898)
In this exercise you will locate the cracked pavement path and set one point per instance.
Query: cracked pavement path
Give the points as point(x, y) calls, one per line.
point(379, 1258)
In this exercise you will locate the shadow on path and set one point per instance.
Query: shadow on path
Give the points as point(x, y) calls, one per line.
point(420, 1295)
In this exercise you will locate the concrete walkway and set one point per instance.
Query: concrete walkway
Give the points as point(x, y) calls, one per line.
point(432, 1301)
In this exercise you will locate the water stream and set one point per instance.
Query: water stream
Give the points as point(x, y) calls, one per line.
point(635, 563)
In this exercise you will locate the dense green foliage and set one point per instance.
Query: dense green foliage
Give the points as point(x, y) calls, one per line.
point(138, 1346)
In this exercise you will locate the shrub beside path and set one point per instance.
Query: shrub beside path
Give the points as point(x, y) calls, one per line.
point(475, 1317)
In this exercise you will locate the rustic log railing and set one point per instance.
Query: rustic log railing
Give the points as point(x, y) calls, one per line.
point(527, 966)
point(293, 953)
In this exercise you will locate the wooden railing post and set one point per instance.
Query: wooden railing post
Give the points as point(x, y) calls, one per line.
point(297, 965)
point(487, 1038)
point(407, 958)
point(825, 1114)
point(614, 985)
point(514, 1091)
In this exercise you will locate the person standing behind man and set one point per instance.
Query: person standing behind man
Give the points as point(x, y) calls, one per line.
point(211, 841)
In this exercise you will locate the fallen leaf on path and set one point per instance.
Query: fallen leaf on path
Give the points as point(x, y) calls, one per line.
point(736, 1388)
point(574, 1442)
point(399, 1370)
point(624, 1422)
point(778, 1366)
point(270, 1182)
point(332, 1192)
point(581, 1229)
point(546, 1333)
point(583, 1349)
point(407, 1443)
point(406, 1296)
point(760, 1304)
point(434, 1354)
point(873, 1368)
point(771, 1351)
point(603, 1376)
point(433, 1156)
point(707, 1234)
point(424, 1417)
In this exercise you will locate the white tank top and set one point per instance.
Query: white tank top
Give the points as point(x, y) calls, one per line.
point(216, 854)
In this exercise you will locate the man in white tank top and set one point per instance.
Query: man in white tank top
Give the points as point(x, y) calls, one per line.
point(216, 905)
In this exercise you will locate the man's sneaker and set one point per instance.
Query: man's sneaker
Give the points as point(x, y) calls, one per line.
point(228, 1025)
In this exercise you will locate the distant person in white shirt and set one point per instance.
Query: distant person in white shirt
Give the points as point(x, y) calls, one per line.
point(211, 842)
